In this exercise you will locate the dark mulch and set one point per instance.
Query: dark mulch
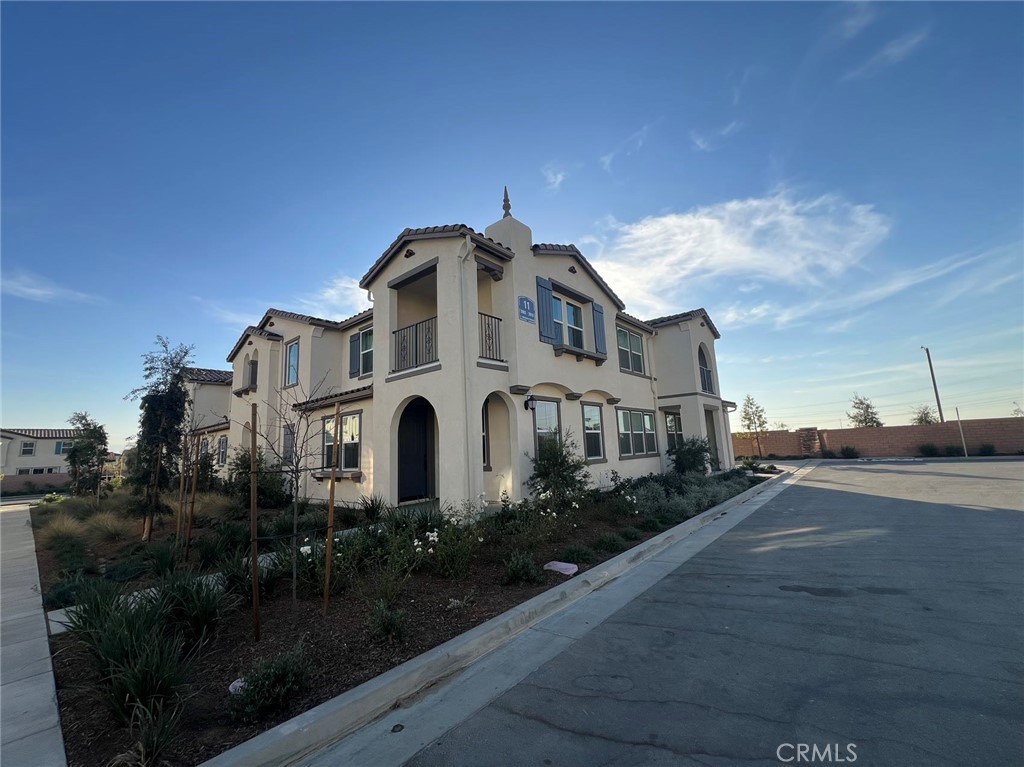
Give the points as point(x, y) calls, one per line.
point(341, 650)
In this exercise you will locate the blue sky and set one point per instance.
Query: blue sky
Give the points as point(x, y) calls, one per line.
point(837, 184)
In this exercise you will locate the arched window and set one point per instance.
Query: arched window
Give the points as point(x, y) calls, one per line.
point(707, 382)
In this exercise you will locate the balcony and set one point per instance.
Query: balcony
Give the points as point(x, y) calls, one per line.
point(414, 345)
point(490, 338)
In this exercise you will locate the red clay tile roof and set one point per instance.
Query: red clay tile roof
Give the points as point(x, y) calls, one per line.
point(551, 249)
point(434, 232)
point(208, 375)
point(45, 433)
point(683, 316)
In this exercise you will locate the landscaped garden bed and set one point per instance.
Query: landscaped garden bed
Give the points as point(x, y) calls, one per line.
point(150, 676)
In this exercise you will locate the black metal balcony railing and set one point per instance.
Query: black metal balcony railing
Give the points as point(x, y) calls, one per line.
point(415, 345)
point(490, 337)
point(706, 383)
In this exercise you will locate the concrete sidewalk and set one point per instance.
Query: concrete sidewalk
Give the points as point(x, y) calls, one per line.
point(30, 731)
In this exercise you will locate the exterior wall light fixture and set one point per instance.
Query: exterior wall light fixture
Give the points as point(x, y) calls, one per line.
point(530, 403)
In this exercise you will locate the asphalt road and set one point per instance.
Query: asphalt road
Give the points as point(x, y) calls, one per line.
point(871, 614)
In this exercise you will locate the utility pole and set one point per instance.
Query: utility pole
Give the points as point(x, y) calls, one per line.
point(935, 386)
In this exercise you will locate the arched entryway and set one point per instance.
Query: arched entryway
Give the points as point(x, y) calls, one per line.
point(497, 445)
point(417, 454)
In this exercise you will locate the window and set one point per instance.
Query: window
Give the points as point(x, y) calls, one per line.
point(291, 368)
point(574, 323)
point(556, 316)
point(366, 351)
point(63, 448)
point(37, 471)
point(28, 448)
point(22, 472)
point(674, 429)
point(636, 433)
point(707, 383)
point(288, 443)
point(350, 428)
point(546, 424)
point(593, 439)
point(487, 434)
point(204, 447)
point(631, 350)
point(254, 366)
point(222, 451)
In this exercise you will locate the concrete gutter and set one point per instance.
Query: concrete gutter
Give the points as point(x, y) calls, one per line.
point(334, 719)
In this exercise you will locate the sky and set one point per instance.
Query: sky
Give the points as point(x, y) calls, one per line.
point(837, 184)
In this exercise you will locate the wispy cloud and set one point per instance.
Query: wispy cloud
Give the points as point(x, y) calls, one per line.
point(236, 318)
point(984, 281)
point(708, 142)
point(339, 298)
point(554, 175)
point(859, 17)
point(740, 86)
point(891, 53)
point(35, 287)
point(630, 146)
point(776, 239)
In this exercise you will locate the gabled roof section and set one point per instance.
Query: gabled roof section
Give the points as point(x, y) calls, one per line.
point(252, 330)
point(693, 314)
point(431, 233)
point(208, 376)
point(309, 320)
point(550, 249)
point(44, 433)
point(636, 322)
point(363, 392)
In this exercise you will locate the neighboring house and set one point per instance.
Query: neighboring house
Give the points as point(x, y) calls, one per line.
point(113, 467)
point(478, 348)
point(209, 392)
point(28, 452)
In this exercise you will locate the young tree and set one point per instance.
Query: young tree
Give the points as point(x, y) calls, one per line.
point(87, 454)
point(1018, 411)
point(924, 415)
point(753, 419)
point(863, 413)
point(163, 406)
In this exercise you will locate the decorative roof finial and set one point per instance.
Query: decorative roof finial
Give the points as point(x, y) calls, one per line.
point(506, 205)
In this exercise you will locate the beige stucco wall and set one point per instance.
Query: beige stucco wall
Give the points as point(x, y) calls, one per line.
point(211, 403)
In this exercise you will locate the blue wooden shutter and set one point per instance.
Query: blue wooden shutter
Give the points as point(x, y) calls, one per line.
point(353, 356)
point(57, 448)
point(545, 319)
point(600, 345)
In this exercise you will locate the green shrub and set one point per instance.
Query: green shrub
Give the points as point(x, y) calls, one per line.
point(108, 527)
point(631, 534)
point(650, 525)
point(154, 729)
point(579, 555)
point(234, 536)
point(73, 557)
point(61, 527)
point(150, 674)
point(270, 685)
point(127, 570)
point(954, 450)
point(80, 508)
point(236, 575)
point(610, 542)
point(271, 484)
point(373, 506)
point(385, 622)
point(63, 593)
point(216, 507)
point(520, 568)
point(846, 451)
point(191, 605)
point(560, 473)
point(518, 525)
point(829, 454)
point(162, 559)
point(987, 449)
point(117, 502)
point(209, 550)
point(691, 454)
point(453, 551)
point(928, 450)
point(427, 518)
point(52, 498)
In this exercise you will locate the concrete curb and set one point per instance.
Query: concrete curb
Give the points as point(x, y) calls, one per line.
point(334, 719)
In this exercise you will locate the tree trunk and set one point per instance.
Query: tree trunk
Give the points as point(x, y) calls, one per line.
point(295, 538)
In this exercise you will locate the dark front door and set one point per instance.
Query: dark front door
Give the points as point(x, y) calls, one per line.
point(709, 423)
point(416, 451)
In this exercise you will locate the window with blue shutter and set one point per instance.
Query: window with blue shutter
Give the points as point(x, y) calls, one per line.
point(549, 333)
point(600, 344)
point(353, 356)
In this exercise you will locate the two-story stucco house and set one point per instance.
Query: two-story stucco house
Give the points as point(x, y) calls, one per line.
point(477, 348)
point(29, 452)
point(209, 393)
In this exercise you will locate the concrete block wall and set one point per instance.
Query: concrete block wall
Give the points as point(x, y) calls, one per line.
point(1005, 434)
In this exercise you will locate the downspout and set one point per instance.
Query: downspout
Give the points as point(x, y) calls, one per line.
point(465, 362)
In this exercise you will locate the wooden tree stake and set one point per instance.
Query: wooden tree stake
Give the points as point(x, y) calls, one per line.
point(254, 549)
point(192, 505)
point(329, 547)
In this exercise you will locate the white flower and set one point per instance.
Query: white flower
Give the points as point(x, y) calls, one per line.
point(306, 549)
point(432, 537)
point(480, 540)
point(575, 505)
point(430, 551)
